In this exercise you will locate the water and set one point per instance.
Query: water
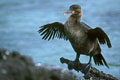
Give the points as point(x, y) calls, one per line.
point(20, 21)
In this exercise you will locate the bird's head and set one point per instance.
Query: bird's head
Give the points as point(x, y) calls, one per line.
point(74, 10)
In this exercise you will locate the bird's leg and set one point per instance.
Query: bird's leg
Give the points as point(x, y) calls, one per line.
point(75, 64)
point(77, 58)
point(90, 60)
point(87, 67)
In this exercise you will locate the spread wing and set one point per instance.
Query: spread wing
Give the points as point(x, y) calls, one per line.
point(100, 35)
point(53, 30)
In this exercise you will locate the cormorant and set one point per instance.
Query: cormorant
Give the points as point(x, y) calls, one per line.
point(82, 37)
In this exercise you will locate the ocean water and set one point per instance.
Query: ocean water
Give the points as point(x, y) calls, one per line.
point(20, 20)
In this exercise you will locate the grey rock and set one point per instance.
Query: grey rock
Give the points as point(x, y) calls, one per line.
point(14, 66)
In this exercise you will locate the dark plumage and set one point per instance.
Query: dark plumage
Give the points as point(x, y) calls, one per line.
point(53, 30)
point(83, 38)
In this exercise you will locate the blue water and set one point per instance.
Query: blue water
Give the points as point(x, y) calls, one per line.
point(20, 21)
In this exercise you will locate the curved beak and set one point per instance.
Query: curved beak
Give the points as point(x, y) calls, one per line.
point(69, 12)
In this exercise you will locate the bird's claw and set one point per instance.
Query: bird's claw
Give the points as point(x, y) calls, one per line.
point(85, 68)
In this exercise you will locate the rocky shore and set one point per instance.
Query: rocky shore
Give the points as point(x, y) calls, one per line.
point(14, 66)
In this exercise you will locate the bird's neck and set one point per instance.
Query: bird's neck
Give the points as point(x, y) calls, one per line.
point(76, 18)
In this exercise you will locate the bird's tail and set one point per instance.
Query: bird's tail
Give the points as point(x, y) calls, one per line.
point(99, 60)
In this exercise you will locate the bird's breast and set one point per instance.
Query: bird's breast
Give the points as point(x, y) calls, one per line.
point(78, 37)
point(74, 31)
point(77, 34)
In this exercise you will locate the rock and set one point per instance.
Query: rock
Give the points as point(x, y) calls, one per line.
point(14, 66)
point(93, 74)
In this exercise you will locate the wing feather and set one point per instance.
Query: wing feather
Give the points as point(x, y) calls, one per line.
point(53, 30)
point(100, 35)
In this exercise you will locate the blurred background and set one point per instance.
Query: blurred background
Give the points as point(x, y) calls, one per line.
point(20, 20)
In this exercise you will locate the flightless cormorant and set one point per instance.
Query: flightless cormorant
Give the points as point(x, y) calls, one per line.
point(84, 39)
